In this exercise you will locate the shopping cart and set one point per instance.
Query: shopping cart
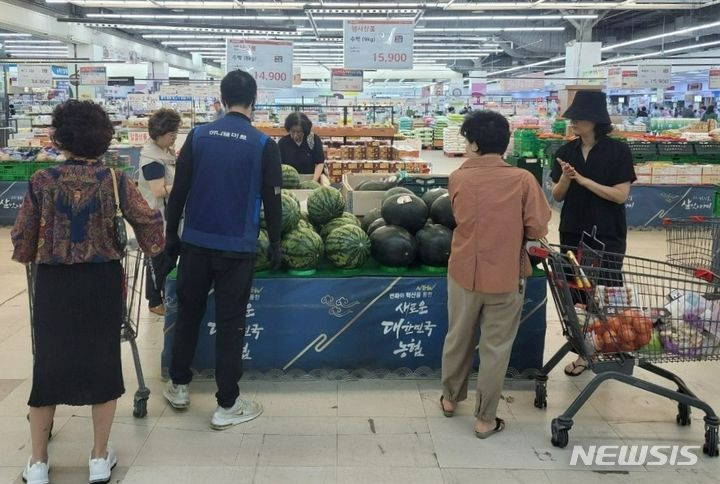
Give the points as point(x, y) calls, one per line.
point(694, 242)
point(133, 279)
point(619, 312)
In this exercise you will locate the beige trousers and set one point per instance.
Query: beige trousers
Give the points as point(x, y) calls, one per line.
point(498, 317)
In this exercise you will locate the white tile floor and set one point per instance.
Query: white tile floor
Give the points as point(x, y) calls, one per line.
point(346, 432)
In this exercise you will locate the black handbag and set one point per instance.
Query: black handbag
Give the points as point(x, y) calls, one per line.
point(119, 232)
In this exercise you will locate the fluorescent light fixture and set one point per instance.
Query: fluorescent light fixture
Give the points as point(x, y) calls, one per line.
point(3, 34)
point(660, 52)
point(33, 41)
point(507, 17)
point(661, 36)
point(37, 47)
point(534, 64)
point(289, 5)
point(191, 42)
point(142, 16)
point(489, 29)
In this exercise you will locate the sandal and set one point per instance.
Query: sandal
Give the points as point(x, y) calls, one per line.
point(447, 413)
point(499, 427)
point(573, 369)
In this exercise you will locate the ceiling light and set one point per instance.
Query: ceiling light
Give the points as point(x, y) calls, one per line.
point(489, 29)
point(660, 52)
point(33, 41)
point(661, 36)
point(3, 34)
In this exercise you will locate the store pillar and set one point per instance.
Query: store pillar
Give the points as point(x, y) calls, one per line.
point(580, 57)
point(158, 72)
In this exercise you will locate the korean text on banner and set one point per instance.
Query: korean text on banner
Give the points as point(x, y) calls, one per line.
point(346, 80)
point(654, 76)
point(378, 44)
point(714, 78)
point(34, 76)
point(93, 76)
point(269, 61)
point(614, 77)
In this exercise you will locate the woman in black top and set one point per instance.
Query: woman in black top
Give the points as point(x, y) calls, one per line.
point(302, 149)
point(592, 176)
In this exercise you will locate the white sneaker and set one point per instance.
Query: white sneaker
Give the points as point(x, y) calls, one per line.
point(177, 395)
point(101, 469)
point(36, 473)
point(243, 411)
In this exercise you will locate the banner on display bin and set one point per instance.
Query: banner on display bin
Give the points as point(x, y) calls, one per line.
point(93, 75)
point(654, 76)
point(269, 61)
point(346, 80)
point(714, 78)
point(34, 76)
point(378, 44)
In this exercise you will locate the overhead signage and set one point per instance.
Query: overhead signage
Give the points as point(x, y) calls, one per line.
point(269, 61)
point(378, 44)
point(346, 80)
point(121, 81)
point(529, 82)
point(93, 75)
point(714, 78)
point(34, 76)
point(654, 76)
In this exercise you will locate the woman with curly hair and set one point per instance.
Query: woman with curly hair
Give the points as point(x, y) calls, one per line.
point(302, 149)
point(65, 226)
point(157, 173)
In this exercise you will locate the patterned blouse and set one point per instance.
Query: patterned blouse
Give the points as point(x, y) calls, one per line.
point(67, 216)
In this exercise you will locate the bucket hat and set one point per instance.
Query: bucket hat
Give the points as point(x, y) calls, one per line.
point(589, 106)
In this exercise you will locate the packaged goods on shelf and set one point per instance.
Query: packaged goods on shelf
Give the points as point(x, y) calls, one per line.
point(338, 168)
point(439, 129)
point(711, 174)
point(453, 141)
point(425, 135)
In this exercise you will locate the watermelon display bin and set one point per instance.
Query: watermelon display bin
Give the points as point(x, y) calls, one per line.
point(372, 324)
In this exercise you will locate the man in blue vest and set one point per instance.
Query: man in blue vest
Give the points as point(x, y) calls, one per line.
point(225, 170)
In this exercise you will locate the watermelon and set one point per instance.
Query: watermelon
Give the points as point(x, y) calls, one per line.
point(351, 218)
point(325, 204)
point(396, 191)
point(291, 195)
point(441, 212)
point(304, 224)
point(370, 217)
point(290, 177)
point(430, 196)
point(373, 186)
point(393, 246)
point(347, 247)
point(262, 260)
point(309, 185)
point(332, 225)
point(376, 225)
point(302, 249)
point(304, 216)
point(290, 213)
point(404, 210)
point(434, 245)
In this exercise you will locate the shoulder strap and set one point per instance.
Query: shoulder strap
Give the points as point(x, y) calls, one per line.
point(118, 211)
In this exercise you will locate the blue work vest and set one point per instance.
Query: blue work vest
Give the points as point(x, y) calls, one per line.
point(222, 211)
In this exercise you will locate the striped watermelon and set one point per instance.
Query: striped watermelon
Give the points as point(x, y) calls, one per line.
point(290, 177)
point(304, 224)
point(262, 261)
point(351, 218)
point(334, 224)
point(290, 213)
point(347, 247)
point(325, 204)
point(302, 249)
point(291, 195)
point(309, 185)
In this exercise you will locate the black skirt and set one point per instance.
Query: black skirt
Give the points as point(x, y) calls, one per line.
point(76, 330)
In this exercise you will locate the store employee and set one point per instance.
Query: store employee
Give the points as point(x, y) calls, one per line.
point(302, 149)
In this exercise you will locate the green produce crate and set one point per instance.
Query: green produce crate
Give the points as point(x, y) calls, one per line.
point(39, 165)
point(14, 171)
point(707, 150)
point(674, 150)
point(643, 151)
point(549, 148)
point(421, 184)
point(531, 164)
point(525, 143)
point(716, 202)
point(559, 127)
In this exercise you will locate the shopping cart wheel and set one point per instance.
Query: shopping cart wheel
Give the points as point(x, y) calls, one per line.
point(140, 408)
point(683, 416)
point(711, 441)
point(540, 394)
point(559, 437)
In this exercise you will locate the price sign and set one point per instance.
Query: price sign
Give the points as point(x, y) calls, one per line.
point(658, 77)
point(614, 78)
point(378, 44)
point(346, 80)
point(93, 76)
point(714, 78)
point(270, 61)
point(34, 76)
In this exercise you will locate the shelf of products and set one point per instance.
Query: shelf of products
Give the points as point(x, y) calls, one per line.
point(336, 131)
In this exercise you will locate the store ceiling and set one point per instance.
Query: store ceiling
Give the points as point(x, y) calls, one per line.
point(505, 37)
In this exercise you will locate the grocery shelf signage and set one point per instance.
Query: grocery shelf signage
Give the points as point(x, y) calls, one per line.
point(654, 76)
point(121, 81)
point(378, 44)
point(619, 78)
point(529, 82)
point(34, 76)
point(346, 80)
point(714, 79)
point(93, 76)
point(270, 61)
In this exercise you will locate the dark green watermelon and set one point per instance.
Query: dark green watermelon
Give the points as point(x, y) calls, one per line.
point(290, 212)
point(347, 247)
point(290, 177)
point(262, 259)
point(397, 191)
point(405, 210)
point(441, 212)
point(351, 218)
point(332, 225)
point(434, 245)
point(302, 249)
point(380, 222)
point(325, 204)
point(309, 185)
point(430, 196)
point(373, 186)
point(393, 246)
point(370, 217)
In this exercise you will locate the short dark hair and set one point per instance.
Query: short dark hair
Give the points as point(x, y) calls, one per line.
point(162, 122)
point(602, 129)
point(238, 88)
point(488, 129)
point(298, 119)
point(82, 128)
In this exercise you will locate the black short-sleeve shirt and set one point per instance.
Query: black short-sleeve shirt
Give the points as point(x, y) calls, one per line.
point(302, 157)
point(609, 163)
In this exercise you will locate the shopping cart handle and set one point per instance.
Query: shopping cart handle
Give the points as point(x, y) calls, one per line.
point(539, 251)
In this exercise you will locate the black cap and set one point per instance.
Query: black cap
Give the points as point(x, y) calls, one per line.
point(589, 106)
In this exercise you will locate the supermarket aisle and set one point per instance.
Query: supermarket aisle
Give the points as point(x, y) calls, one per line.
point(344, 432)
point(441, 164)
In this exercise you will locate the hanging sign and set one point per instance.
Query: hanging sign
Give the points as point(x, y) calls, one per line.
point(614, 77)
point(654, 76)
point(93, 76)
point(346, 80)
point(714, 80)
point(34, 76)
point(378, 44)
point(529, 82)
point(270, 61)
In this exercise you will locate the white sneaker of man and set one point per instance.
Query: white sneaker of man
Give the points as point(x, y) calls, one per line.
point(243, 411)
point(177, 395)
point(101, 469)
point(36, 473)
